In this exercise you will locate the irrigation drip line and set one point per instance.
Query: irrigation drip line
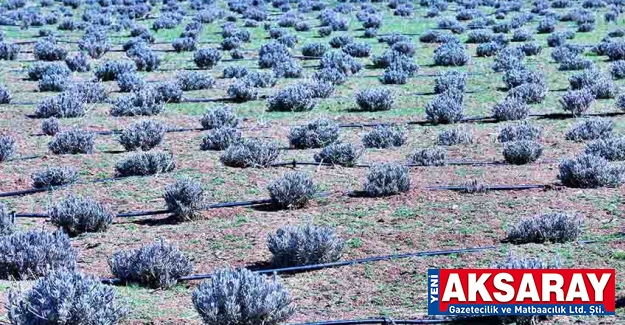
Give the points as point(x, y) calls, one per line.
point(421, 122)
point(569, 115)
point(165, 211)
point(295, 163)
point(485, 119)
point(487, 187)
point(24, 158)
point(314, 267)
point(51, 188)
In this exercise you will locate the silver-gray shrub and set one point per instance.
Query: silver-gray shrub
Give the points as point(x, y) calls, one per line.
point(314, 49)
point(76, 215)
point(450, 80)
point(612, 149)
point(31, 254)
point(357, 50)
point(523, 130)
point(220, 138)
point(315, 134)
point(387, 179)
point(96, 45)
point(5, 95)
point(384, 136)
point(90, 92)
point(577, 102)
point(142, 135)
point(67, 297)
point(144, 58)
point(340, 61)
point(49, 51)
point(185, 199)
point(445, 108)
point(53, 83)
point(531, 48)
point(78, 62)
point(206, 58)
point(40, 69)
point(145, 163)
point(169, 91)
point(305, 245)
point(250, 153)
point(588, 171)
point(159, 265)
point(507, 59)
point(193, 80)
point(601, 86)
point(338, 153)
point(575, 63)
point(242, 297)
point(54, 176)
point(531, 93)
point(145, 102)
point(128, 82)
point(63, 105)
point(556, 227)
point(519, 76)
point(184, 44)
point(291, 191)
point(340, 41)
point(620, 102)
point(242, 91)
point(590, 129)
point(261, 79)
point(7, 221)
point(110, 70)
point(522, 152)
point(451, 54)
point(585, 79)
point(9, 51)
point(511, 108)
point(218, 117)
point(272, 54)
point(394, 77)
point(235, 72)
point(373, 100)
point(331, 75)
point(617, 69)
point(428, 157)
point(605, 88)
point(7, 147)
point(404, 47)
point(294, 98)
point(72, 142)
point(319, 88)
point(456, 136)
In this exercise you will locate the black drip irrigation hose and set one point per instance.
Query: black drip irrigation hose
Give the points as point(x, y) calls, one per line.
point(206, 100)
point(421, 122)
point(117, 131)
point(166, 211)
point(487, 187)
point(569, 115)
point(484, 119)
point(24, 158)
point(314, 267)
point(295, 163)
point(51, 188)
